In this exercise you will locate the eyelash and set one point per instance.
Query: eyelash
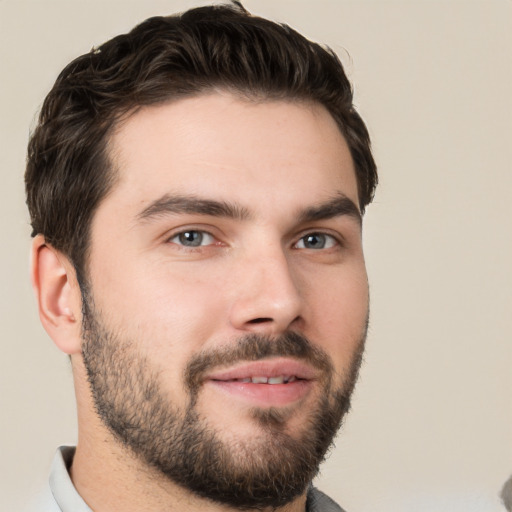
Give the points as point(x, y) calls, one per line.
point(329, 239)
point(183, 233)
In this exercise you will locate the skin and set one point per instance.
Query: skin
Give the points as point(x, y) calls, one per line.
point(254, 273)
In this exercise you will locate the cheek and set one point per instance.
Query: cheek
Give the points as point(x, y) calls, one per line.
point(340, 310)
point(157, 294)
point(168, 313)
point(182, 310)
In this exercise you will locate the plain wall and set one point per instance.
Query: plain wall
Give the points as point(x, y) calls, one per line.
point(431, 425)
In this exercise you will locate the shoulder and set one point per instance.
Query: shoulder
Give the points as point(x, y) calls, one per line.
point(317, 501)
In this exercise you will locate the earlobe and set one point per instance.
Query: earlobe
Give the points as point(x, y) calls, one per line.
point(58, 295)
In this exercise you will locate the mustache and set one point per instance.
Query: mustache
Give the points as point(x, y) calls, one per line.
point(253, 347)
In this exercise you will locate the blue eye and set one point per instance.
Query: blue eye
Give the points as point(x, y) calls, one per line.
point(316, 241)
point(192, 238)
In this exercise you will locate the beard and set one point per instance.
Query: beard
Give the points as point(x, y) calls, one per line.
point(268, 470)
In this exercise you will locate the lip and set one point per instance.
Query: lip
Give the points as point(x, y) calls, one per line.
point(268, 368)
point(228, 381)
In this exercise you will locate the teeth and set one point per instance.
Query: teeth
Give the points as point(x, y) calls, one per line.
point(281, 379)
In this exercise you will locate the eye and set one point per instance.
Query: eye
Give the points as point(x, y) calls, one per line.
point(192, 238)
point(316, 241)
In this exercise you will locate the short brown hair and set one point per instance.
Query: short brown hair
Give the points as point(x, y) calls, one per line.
point(68, 172)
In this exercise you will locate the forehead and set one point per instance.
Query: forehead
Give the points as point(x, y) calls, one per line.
point(234, 149)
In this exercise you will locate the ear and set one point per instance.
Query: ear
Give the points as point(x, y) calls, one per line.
point(58, 295)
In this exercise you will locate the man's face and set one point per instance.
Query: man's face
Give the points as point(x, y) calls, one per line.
point(228, 296)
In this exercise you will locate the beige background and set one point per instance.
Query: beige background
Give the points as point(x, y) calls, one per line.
point(431, 428)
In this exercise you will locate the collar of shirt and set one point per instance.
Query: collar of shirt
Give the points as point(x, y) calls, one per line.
point(62, 487)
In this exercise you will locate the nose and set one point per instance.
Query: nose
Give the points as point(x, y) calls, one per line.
point(267, 298)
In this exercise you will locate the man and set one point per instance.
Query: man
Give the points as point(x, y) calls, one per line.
point(196, 189)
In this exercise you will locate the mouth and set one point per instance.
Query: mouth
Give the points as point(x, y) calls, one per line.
point(266, 383)
point(281, 379)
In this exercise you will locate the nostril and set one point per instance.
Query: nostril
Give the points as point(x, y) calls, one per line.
point(260, 320)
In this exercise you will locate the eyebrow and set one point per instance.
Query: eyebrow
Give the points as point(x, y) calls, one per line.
point(171, 204)
point(339, 206)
